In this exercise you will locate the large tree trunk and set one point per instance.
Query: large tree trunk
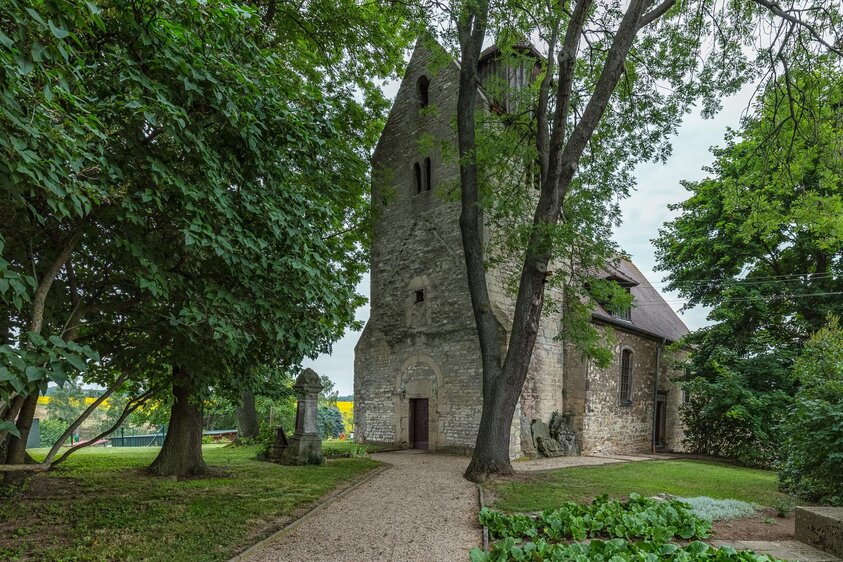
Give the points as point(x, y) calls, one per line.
point(504, 379)
point(16, 447)
point(181, 454)
point(247, 416)
point(491, 451)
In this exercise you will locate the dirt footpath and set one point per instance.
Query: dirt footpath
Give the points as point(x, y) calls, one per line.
point(421, 509)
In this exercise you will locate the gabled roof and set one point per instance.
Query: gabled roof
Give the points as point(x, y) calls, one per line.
point(651, 315)
point(524, 46)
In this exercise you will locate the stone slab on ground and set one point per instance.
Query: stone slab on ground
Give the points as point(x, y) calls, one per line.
point(419, 510)
point(821, 527)
point(784, 550)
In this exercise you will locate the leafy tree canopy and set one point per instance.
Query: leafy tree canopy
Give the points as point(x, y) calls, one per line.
point(761, 242)
point(183, 183)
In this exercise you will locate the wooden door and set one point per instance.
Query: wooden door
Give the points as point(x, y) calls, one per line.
point(418, 423)
point(661, 414)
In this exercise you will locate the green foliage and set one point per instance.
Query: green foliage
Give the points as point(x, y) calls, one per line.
point(327, 395)
point(37, 361)
point(814, 446)
point(784, 507)
point(329, 421)
point(612, 550)
point(761, 242)
point(729, 416)
point(66, 403)
point(638, 517)
point(187, 181)
point(219, 413)
point(50, 430)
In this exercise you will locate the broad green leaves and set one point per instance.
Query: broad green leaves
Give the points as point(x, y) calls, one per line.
point(213, 165)
point(637, 518)
point(615, 530)
point(38, 361)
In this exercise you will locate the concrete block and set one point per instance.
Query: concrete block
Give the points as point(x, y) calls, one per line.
point(821, 527)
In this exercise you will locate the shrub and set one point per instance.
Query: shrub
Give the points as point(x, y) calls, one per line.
point(50, 430)
point(329, 420)
point(728, 417)
point(814, 446)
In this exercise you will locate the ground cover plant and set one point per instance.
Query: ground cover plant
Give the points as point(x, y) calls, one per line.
point(547, 490)
point(611, 551)
point(636, 529)
point(712, 509)
point(102, 505)
point(638, 517)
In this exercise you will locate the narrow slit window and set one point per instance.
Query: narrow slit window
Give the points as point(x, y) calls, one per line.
point(626, 377)
point(424, 91)
point(427, 174)
point(417, 174)
point(420, 296)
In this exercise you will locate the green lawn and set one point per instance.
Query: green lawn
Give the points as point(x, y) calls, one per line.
point(101, 505)
point(337, 447)
point(685, 478)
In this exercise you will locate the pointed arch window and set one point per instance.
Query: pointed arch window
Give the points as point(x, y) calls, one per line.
point(417, 178)
point(626, 377)
point(423, 87)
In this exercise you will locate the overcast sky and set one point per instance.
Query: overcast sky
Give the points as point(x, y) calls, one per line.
point(643, 213)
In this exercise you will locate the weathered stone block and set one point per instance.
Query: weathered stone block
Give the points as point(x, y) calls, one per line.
point(821, 527)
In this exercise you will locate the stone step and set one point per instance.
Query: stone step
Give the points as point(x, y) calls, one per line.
point(783, 550)
point(821, 527)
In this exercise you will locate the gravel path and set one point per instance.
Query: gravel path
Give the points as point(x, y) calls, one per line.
point(421, 509)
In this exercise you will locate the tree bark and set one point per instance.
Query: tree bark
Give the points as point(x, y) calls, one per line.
point(16, 447)
point(181, 454)
point(503, 381)
point(247, 416)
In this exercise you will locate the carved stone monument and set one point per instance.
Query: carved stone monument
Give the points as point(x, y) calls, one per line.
point(305, 445)
point(555, 441)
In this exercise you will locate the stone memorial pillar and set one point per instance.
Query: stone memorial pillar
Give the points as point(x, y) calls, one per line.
point(305, 445)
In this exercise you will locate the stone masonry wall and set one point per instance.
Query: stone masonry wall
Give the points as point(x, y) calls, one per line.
point(427, 349)
point(421, 341)
point(610, 426)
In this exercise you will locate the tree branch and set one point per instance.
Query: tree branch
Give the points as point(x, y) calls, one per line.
point(777, 10)
point(40, 297)
point(130, 407)
point(83, 416)
point(655, 13)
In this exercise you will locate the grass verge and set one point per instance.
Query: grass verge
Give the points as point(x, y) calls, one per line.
point(546, 490)
point(339, 447)
point(101, 505)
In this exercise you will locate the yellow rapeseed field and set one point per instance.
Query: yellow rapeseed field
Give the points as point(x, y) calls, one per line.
point(346, 408)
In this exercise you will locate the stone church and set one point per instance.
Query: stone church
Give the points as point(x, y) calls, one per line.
point(417, 368)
